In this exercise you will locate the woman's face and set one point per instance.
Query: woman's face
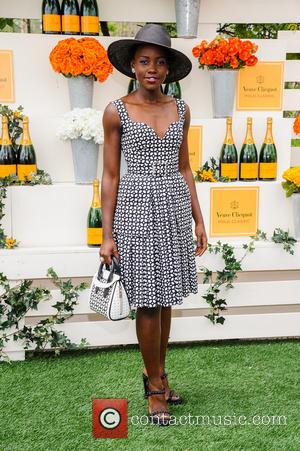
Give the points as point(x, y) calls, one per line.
point(151, 67)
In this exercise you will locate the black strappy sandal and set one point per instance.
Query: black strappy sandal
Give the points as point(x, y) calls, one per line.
point(178, 399)
point(170, 400)
point(156, 416)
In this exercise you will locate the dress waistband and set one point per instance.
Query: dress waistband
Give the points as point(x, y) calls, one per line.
point(155, 169)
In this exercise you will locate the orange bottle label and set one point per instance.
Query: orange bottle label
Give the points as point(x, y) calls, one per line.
point(268, 170)
point(249, 171)
point(94, 235)
point(89, 24)
point(70, 23)
point(25, 169)
point(7, 169)
point(229, 170)
point(51, 22)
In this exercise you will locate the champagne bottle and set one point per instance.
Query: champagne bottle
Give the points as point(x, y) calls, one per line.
point(26, 154)
point(173, 89)
point(229, 156)
point(7, 154)
point(51, 17)
point(94, 222)
point(268, 155)
point(133, 85)
point(89, 17)
point(248, 156)
point(70, 21)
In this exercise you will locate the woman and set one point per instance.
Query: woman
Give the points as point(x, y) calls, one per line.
point(147, 215)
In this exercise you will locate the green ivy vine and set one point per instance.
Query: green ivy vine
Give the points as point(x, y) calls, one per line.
point(17, 300)
point(226, 276)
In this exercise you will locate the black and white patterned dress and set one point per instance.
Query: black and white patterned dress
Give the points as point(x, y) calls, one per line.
point(152, 225)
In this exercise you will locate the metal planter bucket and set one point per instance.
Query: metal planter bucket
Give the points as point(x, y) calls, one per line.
point(223, 83)
point(296, 215)
point(81, 91)
point(187, 14)
point(85, 160)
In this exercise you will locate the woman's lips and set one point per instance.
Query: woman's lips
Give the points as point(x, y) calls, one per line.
point(151, 79)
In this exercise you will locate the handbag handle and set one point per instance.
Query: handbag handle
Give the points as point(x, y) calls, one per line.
point(113, 268)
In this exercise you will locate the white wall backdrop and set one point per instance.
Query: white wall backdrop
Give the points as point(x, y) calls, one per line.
point(211, 11)
point(50, 221)
point(44, 94)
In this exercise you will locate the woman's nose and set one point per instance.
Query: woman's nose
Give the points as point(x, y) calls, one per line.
point(152, 66)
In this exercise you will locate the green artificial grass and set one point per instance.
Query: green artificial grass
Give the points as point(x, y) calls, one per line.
point(46, 400)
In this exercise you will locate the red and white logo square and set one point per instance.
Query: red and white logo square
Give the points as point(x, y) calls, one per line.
point(110, 417)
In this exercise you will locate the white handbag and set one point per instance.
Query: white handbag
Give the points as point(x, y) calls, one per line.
point(107, 293)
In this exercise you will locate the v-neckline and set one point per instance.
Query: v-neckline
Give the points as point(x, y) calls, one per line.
point(149, 126)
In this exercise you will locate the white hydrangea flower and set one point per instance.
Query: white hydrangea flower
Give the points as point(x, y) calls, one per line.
point(85, 123)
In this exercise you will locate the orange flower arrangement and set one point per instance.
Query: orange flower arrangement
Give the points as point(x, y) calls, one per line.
point(221, 53)
point(296, 125)
point(85, 56)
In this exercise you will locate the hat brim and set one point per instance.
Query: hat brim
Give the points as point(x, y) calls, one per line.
point(119, 54)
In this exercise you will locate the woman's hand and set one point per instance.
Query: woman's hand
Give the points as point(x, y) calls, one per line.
point(201, 244)
point(107, 249)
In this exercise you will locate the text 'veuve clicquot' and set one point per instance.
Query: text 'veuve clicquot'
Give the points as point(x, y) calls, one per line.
point(229, 156)
point(94, 221)
point(268, 155)
point(7, 154)
point(26, 164)
point(51, 17)
point(248, 156)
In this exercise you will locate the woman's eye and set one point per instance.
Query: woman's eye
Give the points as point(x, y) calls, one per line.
point(143, 61)
point(162, 62)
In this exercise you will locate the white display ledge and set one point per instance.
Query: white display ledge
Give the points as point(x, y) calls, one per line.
point(56, 215)
point(186, 329)
point(82, 261)
point(245, 294)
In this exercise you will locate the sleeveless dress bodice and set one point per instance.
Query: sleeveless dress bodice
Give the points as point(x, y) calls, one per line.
point(152, 224)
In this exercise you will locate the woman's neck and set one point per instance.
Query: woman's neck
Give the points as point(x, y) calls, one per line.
point(147, 96)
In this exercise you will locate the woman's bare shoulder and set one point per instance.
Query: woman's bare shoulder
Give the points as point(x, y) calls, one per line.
point(111, 115)
point(129, 98)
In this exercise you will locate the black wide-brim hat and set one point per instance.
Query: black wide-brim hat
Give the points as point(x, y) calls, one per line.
point(120, 52)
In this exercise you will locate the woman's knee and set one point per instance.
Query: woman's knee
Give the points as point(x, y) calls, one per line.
point(149, 311)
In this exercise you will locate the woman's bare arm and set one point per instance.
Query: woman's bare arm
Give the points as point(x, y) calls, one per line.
point(110, 177)
point(185, 169)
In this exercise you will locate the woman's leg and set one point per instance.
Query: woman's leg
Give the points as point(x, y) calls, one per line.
point(166, 315)
point(148, 329)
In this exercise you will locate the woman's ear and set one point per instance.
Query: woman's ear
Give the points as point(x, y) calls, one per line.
point(132, 66)
point(168, 67)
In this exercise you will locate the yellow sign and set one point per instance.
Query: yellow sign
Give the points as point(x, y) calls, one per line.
point(260, 87)
point(234, 211)
point(6, 76)
point(195, 146)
